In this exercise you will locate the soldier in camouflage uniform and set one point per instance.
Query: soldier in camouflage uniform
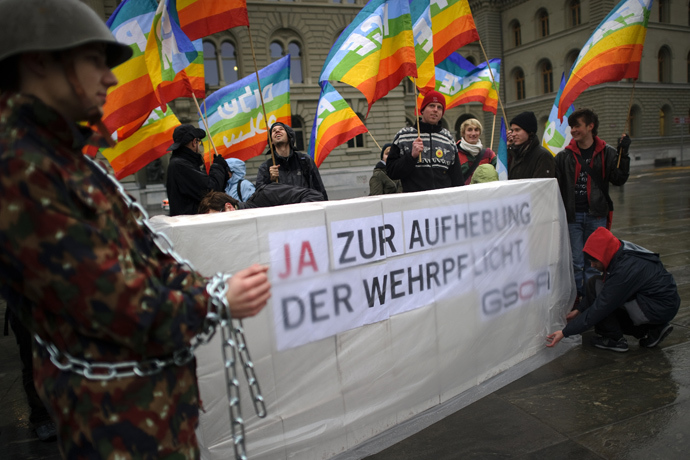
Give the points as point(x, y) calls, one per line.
point(100, 288)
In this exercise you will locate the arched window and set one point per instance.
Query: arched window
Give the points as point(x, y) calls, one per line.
point(358, 141)
point(664, 65)
point(575, 19)
point(516, 33)
point(298, 128)
point(444, 123)
point(688, 66)
point(570, 59)
point(220, 68)
point(519, 77)
point(665, 121)
point(471, 60)
point(409, 123)
point(663, 10)
point(284, 43)
point(543, 23)
point(546, 77)
point(635, 114)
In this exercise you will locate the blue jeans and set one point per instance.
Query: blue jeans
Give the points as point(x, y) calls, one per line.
point(579, 231)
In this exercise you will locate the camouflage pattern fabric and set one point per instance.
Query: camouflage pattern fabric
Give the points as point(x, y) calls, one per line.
point(101, 291)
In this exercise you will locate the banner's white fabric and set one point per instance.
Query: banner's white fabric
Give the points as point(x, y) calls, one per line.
point(382, 307)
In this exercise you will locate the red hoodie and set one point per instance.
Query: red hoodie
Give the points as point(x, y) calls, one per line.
point(602, 246)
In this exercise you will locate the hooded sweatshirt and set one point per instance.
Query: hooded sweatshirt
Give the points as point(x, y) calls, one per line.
point(632, 273)
point(239, 171)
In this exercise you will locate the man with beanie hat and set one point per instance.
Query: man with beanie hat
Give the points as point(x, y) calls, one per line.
point(634, 296)
point(187, 182)
point(428, 160)
point(584, 170)
point(527, 159)
point(292, 167)
point(380, 183)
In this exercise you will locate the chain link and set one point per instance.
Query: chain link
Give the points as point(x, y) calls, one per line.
point(218, 315)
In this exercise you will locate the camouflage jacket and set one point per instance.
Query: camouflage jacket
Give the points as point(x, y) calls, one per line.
point(101, 290)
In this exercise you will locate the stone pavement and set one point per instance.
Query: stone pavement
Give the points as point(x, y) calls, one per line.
point(587, 404)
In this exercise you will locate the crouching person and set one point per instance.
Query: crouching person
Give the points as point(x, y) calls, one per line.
point(634, 296)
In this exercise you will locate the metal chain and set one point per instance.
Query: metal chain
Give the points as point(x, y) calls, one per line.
point(218, 315)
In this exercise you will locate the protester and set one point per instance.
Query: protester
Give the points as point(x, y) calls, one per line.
point(113, 313)
point(291, 166)
point(187, 181)
point(484, 173)
point(428, 161)
point(527, 159)
point(635, 296)
point(271, 194)
point(380, 183)
point(237, 186)
point(584, 171)
point(471, 152)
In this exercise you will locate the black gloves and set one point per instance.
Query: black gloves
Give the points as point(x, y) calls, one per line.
point(624, 143)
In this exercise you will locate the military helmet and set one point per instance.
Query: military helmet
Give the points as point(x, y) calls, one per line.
point(53, 25)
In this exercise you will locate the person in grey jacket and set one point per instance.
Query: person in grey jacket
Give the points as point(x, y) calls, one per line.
point(635, 295)
point(380, 183)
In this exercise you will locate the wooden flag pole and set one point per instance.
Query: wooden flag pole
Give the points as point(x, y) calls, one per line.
point(203, 120)
point(261, 95)
point(374, 139)
point(493, 81)
point(416, 115)
point(627, 121)
point(493, 129)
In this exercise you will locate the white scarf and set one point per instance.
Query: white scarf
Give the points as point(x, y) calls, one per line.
point(472, 149)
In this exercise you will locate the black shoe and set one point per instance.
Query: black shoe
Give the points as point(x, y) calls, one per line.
point(620, 345)
point(656, 335)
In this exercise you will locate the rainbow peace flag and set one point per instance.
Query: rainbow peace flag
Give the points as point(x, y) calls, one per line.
point(200, 18)
point(462, 82)
point(236, 121)
point(557, 133)
point(335, 123)
point(168, 50)
point(612, 53)
point(376, 51)
point(423, 44)
point(453, 27)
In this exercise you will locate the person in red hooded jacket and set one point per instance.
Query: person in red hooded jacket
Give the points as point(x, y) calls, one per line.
point(635, 295)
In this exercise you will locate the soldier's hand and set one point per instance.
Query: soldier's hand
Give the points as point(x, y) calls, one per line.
point(417, 147)
point(248, 291)
point(273, 171)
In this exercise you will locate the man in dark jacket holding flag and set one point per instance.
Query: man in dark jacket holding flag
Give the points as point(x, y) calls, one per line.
point(635, 296)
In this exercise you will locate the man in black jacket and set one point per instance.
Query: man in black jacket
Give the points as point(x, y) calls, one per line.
point(187, 181)
point(527, 159)
point(584, 170)
point(292, 167)
point(635, 296)
point(429, 160)
point(266, 196)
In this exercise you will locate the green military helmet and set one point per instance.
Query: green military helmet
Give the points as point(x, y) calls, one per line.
point(53, 25)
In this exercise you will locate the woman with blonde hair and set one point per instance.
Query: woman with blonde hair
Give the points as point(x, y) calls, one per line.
point(471, 151)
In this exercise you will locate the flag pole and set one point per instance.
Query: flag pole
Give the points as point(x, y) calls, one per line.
point(416, 114)
point(203, 120)
point(493, 129)
point(261, 95)
point(627, 121)
point(493, 80)
point(374, 139)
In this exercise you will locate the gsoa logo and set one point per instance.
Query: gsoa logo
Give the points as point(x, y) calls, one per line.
point(498, 300)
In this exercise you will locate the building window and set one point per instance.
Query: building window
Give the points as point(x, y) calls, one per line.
point(543, 22)
point(471, 60)
point(221, 68)
point(635, 114)
point(517, 35)
point(663, 11)
point(358, 141)
point(570, 60)
point(284, 44)
point(298, 128)
point(664, 65)
point(519, 77)
point(575, 19)
point(688, 65)
point(665, 121)
point(547, 77)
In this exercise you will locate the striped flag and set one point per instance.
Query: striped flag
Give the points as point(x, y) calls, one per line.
point(335, 123)
point(462, 82)
point(420, 13)
point(557, 133)
point(236, 121)
point(200, 18)
point(502, 153)
point(612, 53)
point(376, 51)
point(453, 27)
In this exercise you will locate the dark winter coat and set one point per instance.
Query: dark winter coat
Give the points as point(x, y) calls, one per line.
point(530, 161)
point(604, 161)
point(439, 166)
point(381, 184)
point(188, 183)
point(275, 194)
point(297, 169)
point(632, 272)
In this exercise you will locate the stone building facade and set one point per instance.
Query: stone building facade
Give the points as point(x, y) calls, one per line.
point(536, 40)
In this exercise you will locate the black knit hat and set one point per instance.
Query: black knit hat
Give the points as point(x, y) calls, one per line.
point(383, 149)
point(526, 121)
point(288, 130)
